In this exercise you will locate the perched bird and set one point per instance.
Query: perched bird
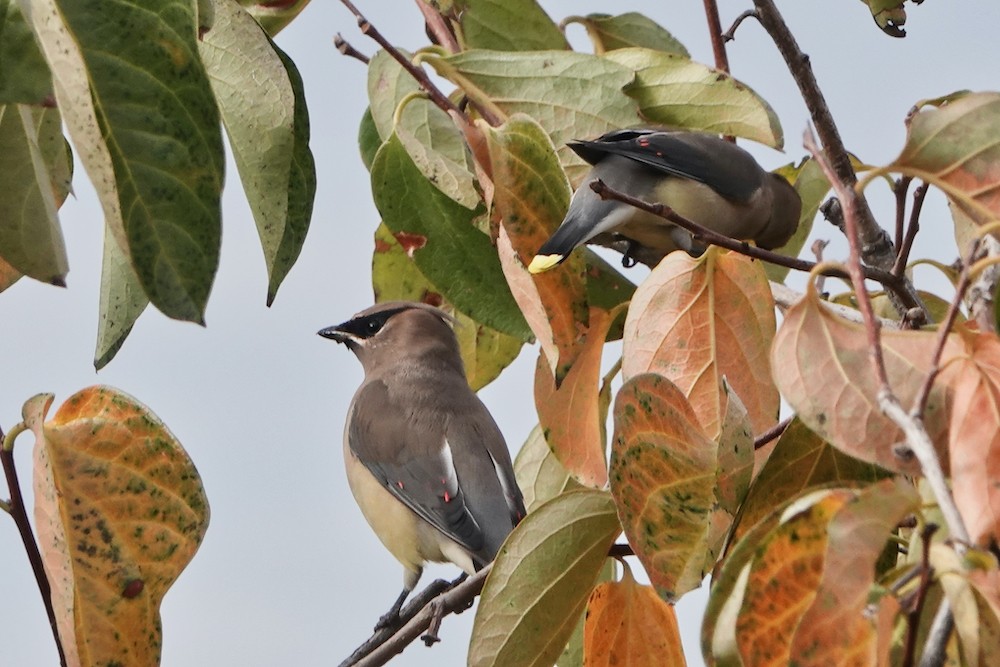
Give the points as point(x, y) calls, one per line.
point(704, 178)
point(425, 461)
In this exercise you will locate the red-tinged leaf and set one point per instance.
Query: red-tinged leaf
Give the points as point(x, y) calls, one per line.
point(531, 196)
point(801, 460)
point(120, 511)
point(974, 435)
point(783, 578)
point(696, 320)
point(628, 625)
point(663, 476)
point(956, 147)
point(570, 414)
point(823, 368)
point(835, 630)
point(541, 580)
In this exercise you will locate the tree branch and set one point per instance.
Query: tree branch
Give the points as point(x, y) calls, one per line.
point(771, 434)
point(346, 49)
point(715, 32)
point(20, 516)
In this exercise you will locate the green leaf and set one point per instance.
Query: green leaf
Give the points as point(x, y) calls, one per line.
point(447, 248)
point(368, 139)
point(889, 15)
point(609, 32)
point(36, 168)
point(539, 474)
point(395, 277)
point(571, 95)
point(24, 75)
point(606, 286)
point(672, 90)
point(430, 137)
point(140, 110)
point(122, 301)
point(541, 580)
point(260, 96)
point(487, 24)
point(274, 15)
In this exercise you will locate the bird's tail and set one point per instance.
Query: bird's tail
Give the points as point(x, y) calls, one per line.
point(571, 233)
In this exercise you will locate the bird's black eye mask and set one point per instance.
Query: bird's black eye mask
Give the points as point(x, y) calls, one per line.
point(368, 326)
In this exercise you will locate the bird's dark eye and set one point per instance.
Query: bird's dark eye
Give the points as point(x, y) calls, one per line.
point(373, 326)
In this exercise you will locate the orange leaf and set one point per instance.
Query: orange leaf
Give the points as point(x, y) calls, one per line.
point(835, 630)
point(570, 414)
point(823, 369)
point(531, 196)
point(974, 435)
point(663, 477)
point(120, 511)
point(628, 625)
point(696, 320)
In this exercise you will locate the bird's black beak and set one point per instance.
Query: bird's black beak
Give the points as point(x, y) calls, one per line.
point(335, 333)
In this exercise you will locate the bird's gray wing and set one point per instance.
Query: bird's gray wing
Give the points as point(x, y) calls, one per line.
point(719, 164)
point(408, 453)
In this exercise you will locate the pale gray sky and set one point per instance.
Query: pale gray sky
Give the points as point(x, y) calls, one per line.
point(289, 573)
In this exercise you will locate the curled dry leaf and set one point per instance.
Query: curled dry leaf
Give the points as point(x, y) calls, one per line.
point(696, 320)
point(663, 479)
point(628, 624)
point(120, 511)
point(824, 370)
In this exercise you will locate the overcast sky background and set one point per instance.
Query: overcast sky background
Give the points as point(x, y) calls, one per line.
point(289, 573)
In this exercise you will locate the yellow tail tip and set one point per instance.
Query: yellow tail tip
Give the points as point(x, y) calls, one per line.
point(541, 263)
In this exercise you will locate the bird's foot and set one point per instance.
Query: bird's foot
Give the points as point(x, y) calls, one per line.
point(390, 619)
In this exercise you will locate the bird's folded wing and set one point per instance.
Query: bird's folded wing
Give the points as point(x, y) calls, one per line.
point(410, 456)
point(724, 167)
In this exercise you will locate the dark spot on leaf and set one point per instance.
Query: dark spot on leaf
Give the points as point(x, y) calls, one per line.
point(410, 242)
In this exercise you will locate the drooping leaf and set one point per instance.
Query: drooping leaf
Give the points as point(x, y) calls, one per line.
point(736, 453)
point(663, 476)
point(120, 511)
point(122, 302)
point(541, 580)
point(260, 96)
point(675, 91)
point(138, 104)
point(800, 461)
point(816, 348)
point(609, 32)
point(957, 148)
point(539, 474)
point(274, 15)
point(35, 165)
point(974, 435)
point(487, 24)
point(448, 249)
point(628, 624)
point(570, 412)
point(395, 277)
point(24, 74)
point(696, 320)
point(571, 95)
point(889, 15)
point(531, 196)
point(976, 622)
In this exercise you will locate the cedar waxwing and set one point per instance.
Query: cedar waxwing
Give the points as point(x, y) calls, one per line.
point(702, 177)
point(425, 460)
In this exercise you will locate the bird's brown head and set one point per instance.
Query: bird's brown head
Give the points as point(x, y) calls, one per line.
point(396, 331)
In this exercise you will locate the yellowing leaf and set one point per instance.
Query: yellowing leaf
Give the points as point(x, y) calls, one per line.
point(539, 474)
point(976, 622)
point(628, 625)
point(120, 512)
point(625, 30)
point(663, 477)
point(675, 91)
point(974, 435)
point(957, 148)
point(541, 580)
point(817, 349)
point(570, 414)
point(696, 320)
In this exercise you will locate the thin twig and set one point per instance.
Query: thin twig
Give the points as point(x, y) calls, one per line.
point(903, 256)
point(730, 34)
point(715, 32)
point(899, 189)
point(707, 235)
point(436, 96)
point(20, 516)
point(771, 433)
point(817, 248)
point(936, 646)
point(346, 49)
